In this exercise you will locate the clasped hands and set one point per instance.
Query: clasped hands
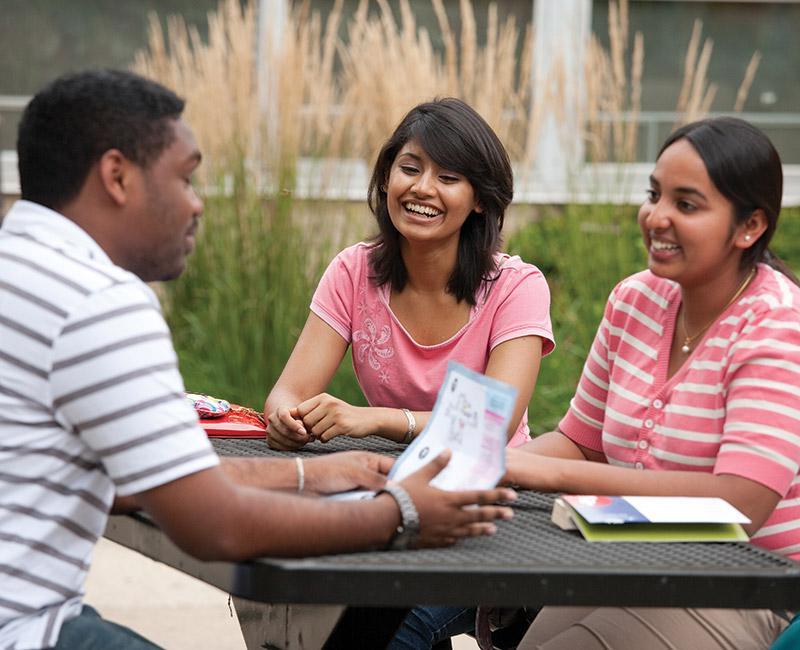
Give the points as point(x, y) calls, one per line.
point(322, 417)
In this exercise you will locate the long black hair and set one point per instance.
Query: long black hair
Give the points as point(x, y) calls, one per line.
point(745, 167)
point(457, 138)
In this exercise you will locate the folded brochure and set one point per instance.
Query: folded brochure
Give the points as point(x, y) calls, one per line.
point(470, 418)
point(650, 519)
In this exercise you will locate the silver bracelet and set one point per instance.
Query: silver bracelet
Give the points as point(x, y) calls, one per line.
point(301, 473)
point(412, 426)
point(407, 532)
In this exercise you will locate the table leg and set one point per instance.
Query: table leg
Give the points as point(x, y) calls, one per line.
point(312, 627)
point(366, 627)
point(285, 627)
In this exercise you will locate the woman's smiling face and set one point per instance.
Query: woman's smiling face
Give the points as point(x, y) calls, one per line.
point(425, 201)
point(687, 224)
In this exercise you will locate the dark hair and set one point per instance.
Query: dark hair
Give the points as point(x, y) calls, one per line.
point(458, 139)
point(75, 119)
point(745, 167)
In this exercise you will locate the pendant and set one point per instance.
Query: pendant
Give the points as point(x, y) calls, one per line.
point(685, 348)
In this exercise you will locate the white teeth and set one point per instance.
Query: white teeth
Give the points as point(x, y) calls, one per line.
point(663, 246)
point(422, 209)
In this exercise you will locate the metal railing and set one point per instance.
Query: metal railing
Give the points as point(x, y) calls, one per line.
point(352, 174)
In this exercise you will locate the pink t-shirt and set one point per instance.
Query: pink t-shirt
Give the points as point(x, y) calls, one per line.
point(394, 370)
point(732, 408)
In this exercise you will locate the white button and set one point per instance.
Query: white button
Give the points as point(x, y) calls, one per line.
point(648, 423)
point(658, 403)
point(639, 466)
point(643, 444)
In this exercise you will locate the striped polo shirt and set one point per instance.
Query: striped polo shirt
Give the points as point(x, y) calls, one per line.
point(91, 404)
point(732, 408)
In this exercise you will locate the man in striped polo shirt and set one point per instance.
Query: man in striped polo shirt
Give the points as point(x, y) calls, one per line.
point(91, 401)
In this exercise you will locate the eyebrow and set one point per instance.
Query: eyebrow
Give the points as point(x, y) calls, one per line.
point(691, 190)
point(680, 190)
point(410, 155)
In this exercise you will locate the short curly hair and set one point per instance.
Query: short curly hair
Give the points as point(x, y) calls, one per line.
point(74, 120)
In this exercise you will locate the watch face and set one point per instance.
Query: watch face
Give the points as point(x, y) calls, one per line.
point(402, 540)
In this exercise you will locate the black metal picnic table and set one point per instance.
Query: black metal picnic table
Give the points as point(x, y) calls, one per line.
point(529, 561)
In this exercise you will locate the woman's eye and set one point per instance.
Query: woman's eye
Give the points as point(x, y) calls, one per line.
point(449, 179)
point(408, 169)
point(652, 196)
point(686, 206)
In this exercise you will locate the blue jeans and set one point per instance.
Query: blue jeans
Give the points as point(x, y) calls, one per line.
point(427, 626)
point(89, 631)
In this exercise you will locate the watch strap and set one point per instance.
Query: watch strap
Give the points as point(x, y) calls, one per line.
point(408, 531)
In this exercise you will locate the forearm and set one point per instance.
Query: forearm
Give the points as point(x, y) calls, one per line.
point(262, 473)
point(557, 445)
point(239, 522)
point(392, 423)
point(282, 396)
point(124, 505)
point(299, 526)
point(587, 477)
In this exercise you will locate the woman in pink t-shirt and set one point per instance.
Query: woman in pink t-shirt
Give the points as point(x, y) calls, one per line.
point(430, 287)
point(691, 385)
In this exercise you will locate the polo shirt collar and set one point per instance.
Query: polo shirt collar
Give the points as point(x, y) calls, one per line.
point(53, 229)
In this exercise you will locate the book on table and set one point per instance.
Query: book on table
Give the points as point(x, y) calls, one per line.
point(650, 519)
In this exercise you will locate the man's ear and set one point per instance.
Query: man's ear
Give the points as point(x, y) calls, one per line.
point(116, 175)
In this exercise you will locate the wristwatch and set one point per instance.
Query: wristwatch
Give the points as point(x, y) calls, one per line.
point(407, 532)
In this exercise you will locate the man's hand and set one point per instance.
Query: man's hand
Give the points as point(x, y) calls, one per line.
point(326, 417)
point(444, 516)
point(348, 470)
point(286, 431)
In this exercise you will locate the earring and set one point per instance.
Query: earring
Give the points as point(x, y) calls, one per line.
point(747, 237)
point(383, 189)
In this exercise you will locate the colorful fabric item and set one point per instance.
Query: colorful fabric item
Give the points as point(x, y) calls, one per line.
point(394, 370)
point(207, 406)
point(730, 409)
point(222, 419)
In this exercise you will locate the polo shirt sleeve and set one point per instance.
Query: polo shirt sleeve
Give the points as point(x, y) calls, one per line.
point(761, 434)
point(583, 422)
point(335, 296)
point(524, 310)
point(115, 383)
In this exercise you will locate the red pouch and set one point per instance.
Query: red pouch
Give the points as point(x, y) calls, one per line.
point(221, 419)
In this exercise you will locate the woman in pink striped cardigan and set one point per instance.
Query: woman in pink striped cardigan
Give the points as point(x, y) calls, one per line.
point(692, 383)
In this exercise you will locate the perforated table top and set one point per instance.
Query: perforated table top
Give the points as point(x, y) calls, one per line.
point(529, 561)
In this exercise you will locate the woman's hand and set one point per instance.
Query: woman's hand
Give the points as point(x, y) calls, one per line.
point(286, 431)
point(312, 364)
point(325, 417)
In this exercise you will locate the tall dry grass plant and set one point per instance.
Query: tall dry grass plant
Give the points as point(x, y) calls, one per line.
point(332, 96)
point(614, 90)
point(238, 311)
point(697, 94)
point(338, 97)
